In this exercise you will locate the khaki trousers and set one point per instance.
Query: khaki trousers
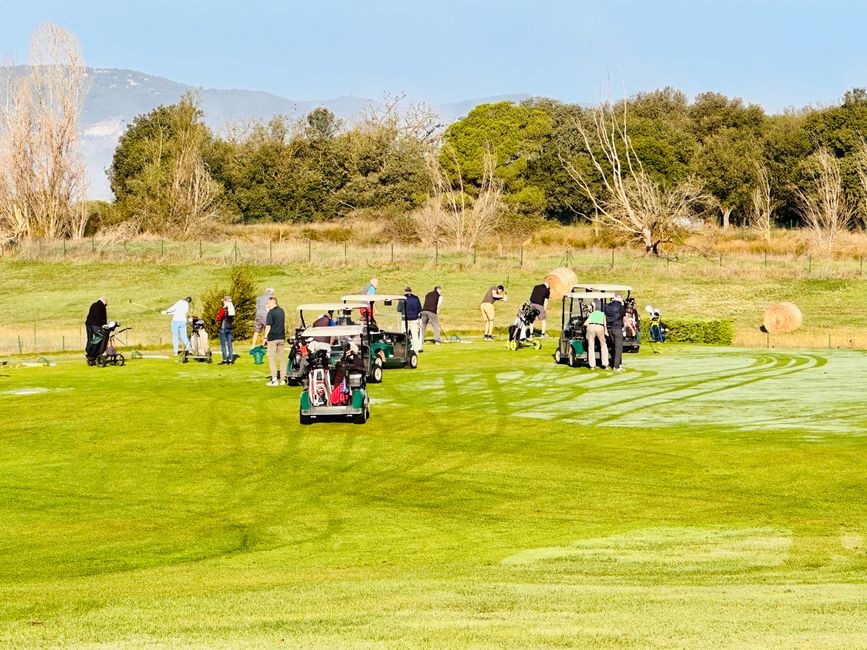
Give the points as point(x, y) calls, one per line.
point(596, 333)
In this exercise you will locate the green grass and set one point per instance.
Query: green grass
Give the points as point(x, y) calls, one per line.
point(704, 498)
point(44, 303)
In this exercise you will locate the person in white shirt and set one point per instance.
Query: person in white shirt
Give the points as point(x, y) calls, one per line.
point(179, 313)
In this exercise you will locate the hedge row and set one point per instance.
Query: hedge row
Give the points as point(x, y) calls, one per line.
point(689, 330)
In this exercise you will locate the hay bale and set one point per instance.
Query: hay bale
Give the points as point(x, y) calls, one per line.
point(782, 317)
point(561, 280)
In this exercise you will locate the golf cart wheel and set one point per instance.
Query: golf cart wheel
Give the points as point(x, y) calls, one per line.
point(305, 419)
point(537, 344)
point(376, 374)
point(361, 418)
point(120, 360)
point(512, 344)
point(558, 358)
point(412, 362)
point(573, 358)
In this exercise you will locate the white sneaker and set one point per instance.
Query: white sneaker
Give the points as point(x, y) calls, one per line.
point(273, 383)
point(618, 369)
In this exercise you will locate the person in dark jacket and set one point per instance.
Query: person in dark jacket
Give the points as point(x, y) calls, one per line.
point(430, 313)
point(226, 321)
point(96, 318)
point(411, 310)
point(614, 313)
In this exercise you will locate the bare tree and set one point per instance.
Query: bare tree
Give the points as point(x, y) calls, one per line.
point(451, 215)
point(417, 120)
point(823, 204)
point(42, 172)
point(761, 211)
point(630, 202)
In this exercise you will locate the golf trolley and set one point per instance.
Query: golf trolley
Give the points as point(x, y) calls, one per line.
point(101, 349)
point(300, 345)
point(201, 347)
point(521, 329)
point(335, 390)
point(391, 341)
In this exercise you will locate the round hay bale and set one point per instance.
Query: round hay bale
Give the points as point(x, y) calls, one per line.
point(561, 280)
point(782, 317)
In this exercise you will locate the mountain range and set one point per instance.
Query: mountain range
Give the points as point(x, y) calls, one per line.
point(116, 96)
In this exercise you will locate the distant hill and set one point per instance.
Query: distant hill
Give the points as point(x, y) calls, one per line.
point(116, 96)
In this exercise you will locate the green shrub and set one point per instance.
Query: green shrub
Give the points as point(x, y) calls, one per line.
point(243, 291)
point(715, 331)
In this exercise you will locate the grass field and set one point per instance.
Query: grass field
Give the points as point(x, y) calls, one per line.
point(44, 303)
point(704, 498)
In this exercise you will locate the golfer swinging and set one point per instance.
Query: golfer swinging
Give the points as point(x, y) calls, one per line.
point(179, 312)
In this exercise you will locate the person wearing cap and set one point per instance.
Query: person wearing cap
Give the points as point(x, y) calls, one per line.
point(261, 314)
point(614, 313)
point(179, 312)
point(411, 310)
point(226, 321)
point(493, 294)
point(96, 318)
point(275, 335)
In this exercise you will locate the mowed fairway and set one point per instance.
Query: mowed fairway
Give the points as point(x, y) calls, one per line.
point(704, 498)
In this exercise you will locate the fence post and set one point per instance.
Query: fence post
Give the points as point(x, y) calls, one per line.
point(20, 348)
point(270, 251)
point(436, 254)
point(63, 343)
point(64, 247)
point(766, 259)
point(309, 251)
point(612, 258)
point(162, 247)
point(392, 252)
point(809, 264)
point(344, 252)
point(720, 260)
point(474, 254)
point(92, 244)
point(829, 340)
point(861, 272)
point(236, 252)
point(521, 263)
point(34, 336)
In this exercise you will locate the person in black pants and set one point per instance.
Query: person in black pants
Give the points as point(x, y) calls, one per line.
point(614, 313)
point(96, 318)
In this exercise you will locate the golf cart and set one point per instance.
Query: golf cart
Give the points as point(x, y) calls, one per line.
point(300, 345)
point(335, 390)
point(572, 346)
point(390, 337)
point(631, 343)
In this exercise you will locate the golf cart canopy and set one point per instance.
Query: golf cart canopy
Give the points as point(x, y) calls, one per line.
point(606, 288)
point(337, 330)
point(380, 297)
point(589, 295)
point(329, 306)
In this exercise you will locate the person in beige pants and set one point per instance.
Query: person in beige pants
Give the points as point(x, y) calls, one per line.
point(597, 330)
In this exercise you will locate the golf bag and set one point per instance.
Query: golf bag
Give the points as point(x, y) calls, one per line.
point(319, 378)
point(522, 327)
point(199, 340)
point(658, 329)
point(98, 342)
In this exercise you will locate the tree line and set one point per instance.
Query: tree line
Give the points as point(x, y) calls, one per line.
point(647, 168)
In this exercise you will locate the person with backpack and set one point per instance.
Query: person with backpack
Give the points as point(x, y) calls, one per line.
point(226, 321)
point(430, 313)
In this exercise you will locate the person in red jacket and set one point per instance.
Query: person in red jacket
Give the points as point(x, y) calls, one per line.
point(226, 321)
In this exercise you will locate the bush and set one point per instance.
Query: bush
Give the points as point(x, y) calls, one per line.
point(689, 330)
point(243, 292)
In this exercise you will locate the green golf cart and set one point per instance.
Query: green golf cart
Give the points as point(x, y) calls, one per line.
point(390, 336)
point(631, 342)
point(340, 313)
point(335, 390)
point(572, 346)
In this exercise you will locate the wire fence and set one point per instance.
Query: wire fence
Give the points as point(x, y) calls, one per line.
point(512, 256)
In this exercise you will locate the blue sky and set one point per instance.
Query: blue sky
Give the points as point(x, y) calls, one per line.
point(774, 53)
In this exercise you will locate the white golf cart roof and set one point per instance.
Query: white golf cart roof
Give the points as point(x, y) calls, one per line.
point(588, 295)
point(331, 306)
point(379, 297)
point(337, 330)
point(607, 288)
